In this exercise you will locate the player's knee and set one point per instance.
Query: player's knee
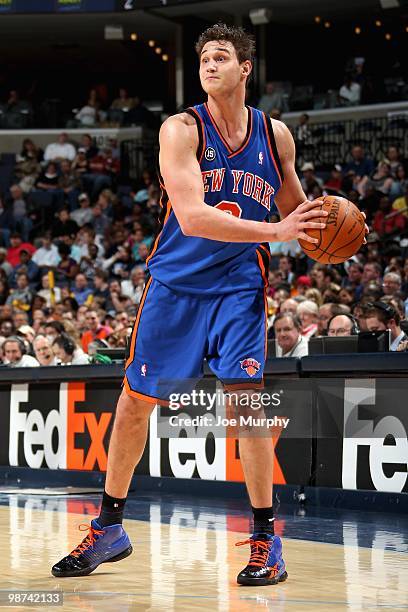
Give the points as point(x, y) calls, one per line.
point(132, 411)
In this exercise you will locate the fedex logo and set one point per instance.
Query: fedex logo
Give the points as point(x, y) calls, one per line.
point(50, 441)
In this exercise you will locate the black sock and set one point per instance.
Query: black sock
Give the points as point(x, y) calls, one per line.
point(111, 512)
point(263, 520)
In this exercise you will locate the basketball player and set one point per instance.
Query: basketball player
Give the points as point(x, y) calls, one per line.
point(222, 166)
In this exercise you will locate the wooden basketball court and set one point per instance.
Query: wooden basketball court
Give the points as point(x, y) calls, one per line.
point(185, 558)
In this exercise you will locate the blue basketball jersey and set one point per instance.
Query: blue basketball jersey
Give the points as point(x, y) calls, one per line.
point(242, 183)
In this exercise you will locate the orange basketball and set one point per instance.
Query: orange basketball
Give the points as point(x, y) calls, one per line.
point(343, 235)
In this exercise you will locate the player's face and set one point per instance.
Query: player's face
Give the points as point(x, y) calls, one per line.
point(220, 70)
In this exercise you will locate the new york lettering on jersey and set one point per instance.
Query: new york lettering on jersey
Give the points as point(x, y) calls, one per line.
point(242, 183)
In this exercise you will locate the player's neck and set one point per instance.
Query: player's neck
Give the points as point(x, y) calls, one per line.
point(229, 113)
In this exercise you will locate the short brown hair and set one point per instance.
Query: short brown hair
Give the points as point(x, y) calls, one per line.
point(244, 43)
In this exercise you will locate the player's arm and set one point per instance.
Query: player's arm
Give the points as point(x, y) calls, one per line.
point(291, 194)
point(182, 176)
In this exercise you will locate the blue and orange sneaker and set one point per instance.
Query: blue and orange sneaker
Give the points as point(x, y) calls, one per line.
point(266, 565)
point(101, 545)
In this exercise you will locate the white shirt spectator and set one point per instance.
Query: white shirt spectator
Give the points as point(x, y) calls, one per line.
point(25, 362)
point(352, 93)
point(47, 257)
point(86, 115)
point(129, 290)
point(82, 216)
point(301, 349)
point(56, 150)
point(46, 294)
point(79, 357)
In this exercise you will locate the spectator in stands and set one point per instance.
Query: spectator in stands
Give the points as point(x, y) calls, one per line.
point(394, 159)
point(314, 295)
point(133, 287)
point(4, 264)
point(88, 115)
point(384, 223)
point(288, 306)
point(81, 291)
point(341, 325)
point(64, 226)
point(4, 291)
point(67, 268)
point(303, 283)
point(100, 222)
point(309, 178)
point(87, 146)
point(28, 165)
point(120, 264)
point(29, 267)
point(272, 98)
point(335, 181)
point(62, 149)
point(303, 133)
point(381, 179)
point(326, 312)
point(43, 351)
point(123, 102)
point(353, 279)
point(95, 330)
point(69, 183)
point(83, 214)
point(19, 221)
point(103, 168)
point(307, 312)
point(20, 317)
point(53, 329)
point(67, 352)
point(139, 114)
point(90, 262)
point(6, 328)
point(14, 351)
point(47, 255)
point(359, 164)
point(101, 291)
point(380, 316)
point(392, 284)
point(290, 342)
point(52, 296)
point(350, 92)
point(401, 204)
point(21, 297)
point(372, 271)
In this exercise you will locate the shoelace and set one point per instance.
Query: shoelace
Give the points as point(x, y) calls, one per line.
point(88, 541)
point(259, 551)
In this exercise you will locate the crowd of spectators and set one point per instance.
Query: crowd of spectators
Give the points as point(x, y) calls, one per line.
point(75, 235)
point(74, 239)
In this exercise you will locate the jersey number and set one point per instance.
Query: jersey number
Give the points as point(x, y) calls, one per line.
point(232, 208)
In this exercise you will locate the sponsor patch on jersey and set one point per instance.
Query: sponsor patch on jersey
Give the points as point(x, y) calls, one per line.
point(251, 366)
point(210, 154)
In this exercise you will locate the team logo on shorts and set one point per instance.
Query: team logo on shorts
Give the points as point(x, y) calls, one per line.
point(143, 370)
point(210, 154)
point(251, 366)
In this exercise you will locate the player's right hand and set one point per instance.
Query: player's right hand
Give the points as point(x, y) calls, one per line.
point(303, 217)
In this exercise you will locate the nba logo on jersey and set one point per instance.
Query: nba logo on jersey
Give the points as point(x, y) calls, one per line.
point(143, 370)
point(210, 154)
point(260, 158)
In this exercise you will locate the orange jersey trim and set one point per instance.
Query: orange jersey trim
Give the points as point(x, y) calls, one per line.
point(262, 267)
point(136, 325)
point(270, 150)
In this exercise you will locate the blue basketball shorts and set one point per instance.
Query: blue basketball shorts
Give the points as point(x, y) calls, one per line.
point(174, 332)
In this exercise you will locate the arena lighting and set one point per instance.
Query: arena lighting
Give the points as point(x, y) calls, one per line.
point(388, 36)
point(357, 30)
point(317, 19)
point(165, 57)
point(260, 16)
point(378, 23)
point(133, 36)
point(158, 50)
point(151, 43)
point(327, 24)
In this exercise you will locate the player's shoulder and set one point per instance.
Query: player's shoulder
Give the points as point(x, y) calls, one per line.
point(280, 129)
point(182, 125)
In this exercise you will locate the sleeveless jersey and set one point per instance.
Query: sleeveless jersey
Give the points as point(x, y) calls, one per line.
point(242, 183)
